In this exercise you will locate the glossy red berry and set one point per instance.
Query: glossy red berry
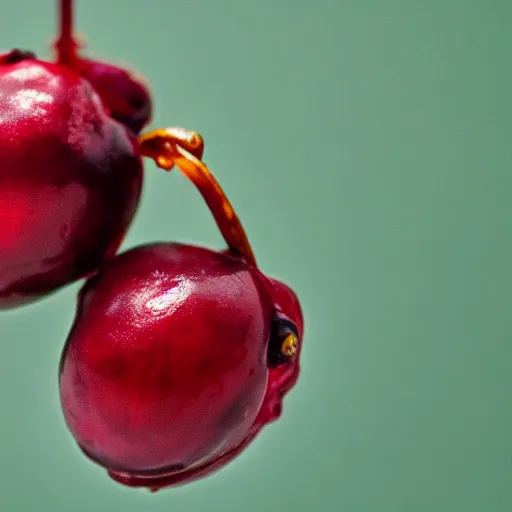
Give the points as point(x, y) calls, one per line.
point(179, 355)
point(70, 168)
point(167, 365)
point(70, 179)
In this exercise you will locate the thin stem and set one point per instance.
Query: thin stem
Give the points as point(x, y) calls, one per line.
point(183, 149)
point(66, 44)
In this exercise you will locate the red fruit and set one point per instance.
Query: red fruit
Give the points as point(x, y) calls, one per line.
point(70, 173)
point(178, 355)
point(70, 179)
point(124, 96)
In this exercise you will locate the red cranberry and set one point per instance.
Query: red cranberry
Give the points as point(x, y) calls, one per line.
point(71, 173)
point(179, 355)
point(70, 179)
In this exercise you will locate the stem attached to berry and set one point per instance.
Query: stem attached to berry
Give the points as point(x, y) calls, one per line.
point(66, 45)
point(170, 147)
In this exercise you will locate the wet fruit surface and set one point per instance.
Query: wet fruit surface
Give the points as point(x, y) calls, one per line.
point(70, 180)
point(165, 376)
point(70, 170)
point(166, 366)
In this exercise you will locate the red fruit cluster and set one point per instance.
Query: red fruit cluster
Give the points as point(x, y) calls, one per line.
point(178, 355)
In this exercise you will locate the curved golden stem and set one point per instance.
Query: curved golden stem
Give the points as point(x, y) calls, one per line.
point(172, 147)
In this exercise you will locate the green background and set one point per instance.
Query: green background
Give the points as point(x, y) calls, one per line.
point(366, 146)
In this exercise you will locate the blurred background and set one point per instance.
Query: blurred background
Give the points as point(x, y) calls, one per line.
point(366, 147)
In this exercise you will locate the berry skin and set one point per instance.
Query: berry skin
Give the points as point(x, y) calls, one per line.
point(179, 355)
point(166, 374)
point(70, 168)
point(124, 95)
point(70, 179)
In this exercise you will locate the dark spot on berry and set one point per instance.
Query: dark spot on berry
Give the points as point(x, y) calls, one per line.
point(281, 328)
point(16, 55)
point(136, 102)
point(277, 410)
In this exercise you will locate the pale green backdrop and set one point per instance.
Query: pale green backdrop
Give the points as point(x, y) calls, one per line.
point(367, 147)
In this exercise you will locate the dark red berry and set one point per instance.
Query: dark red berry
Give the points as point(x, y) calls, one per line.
point(179, 355)
point(70, 179)
point(124, 95)
point(70, 170)
point(166, 369)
